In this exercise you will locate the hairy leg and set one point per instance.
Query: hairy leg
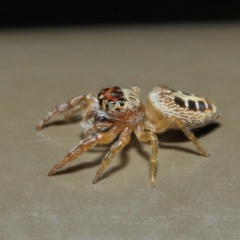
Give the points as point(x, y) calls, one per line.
point(145, 136)
point(76, 109)
point(191, 137)
point(165, 124)
point(123, 140)
point(86, 144)
point(64, 107)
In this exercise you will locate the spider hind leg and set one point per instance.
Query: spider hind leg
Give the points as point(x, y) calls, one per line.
point(175, 123)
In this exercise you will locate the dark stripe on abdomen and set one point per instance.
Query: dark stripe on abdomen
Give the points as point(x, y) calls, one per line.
point(202, 106)
point(179, 102)
point(192, 105)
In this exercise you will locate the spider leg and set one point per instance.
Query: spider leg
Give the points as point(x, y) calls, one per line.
point(96, 127)
point(74, 111)
point(73, 102)
point(86, 144)
point(145, 136)
point(123, 140)
point(191, 137)
point(168, 123)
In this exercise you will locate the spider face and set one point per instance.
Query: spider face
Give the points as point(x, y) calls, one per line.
point(112, 99)
point(121, 104)
point(118, 112)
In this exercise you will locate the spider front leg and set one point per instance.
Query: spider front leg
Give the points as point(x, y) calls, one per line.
point(123, 140)
point(145, 136)
point(74, 111)
point(175, 123)
point(86, 144)
point(83, 100)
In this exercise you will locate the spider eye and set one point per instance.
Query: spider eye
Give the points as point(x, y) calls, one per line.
point(107, 105)
point(122, 103)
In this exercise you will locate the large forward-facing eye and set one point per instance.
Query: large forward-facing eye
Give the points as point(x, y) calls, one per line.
point(107, 105)
point(121, 103)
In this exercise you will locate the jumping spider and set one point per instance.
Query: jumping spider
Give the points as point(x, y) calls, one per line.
point(117, 111)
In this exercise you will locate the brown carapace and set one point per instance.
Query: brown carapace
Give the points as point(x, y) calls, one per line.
point(118, 112)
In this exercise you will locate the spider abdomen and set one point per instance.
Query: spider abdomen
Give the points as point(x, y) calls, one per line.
point(192, 110)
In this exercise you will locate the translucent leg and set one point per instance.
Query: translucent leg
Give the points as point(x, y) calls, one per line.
point(77, 109)
point(191, 137)
point(86, 144)
point(123, 140)
point(63, 108)
point(168, 123)
point(144, 136)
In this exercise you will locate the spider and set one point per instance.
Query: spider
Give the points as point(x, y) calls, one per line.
point(118, 112)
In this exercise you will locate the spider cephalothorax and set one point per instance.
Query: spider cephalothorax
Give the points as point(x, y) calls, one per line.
point(117, 111)
point(121, 104)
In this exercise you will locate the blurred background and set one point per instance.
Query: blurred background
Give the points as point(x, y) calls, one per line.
point(51, 51)
point(63, 13)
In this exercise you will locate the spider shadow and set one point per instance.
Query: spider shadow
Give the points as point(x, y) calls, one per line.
point(81, 166)
point(63, 122)
point(124, 159)
point(171, 136)
point(177, 136)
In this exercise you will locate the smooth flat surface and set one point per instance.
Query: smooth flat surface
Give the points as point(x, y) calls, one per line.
point(195, 197)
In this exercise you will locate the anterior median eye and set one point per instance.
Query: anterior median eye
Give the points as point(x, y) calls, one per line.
point(122, 103)
point(107, 105)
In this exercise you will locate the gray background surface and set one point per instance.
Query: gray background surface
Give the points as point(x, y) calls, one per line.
point(195, 197)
